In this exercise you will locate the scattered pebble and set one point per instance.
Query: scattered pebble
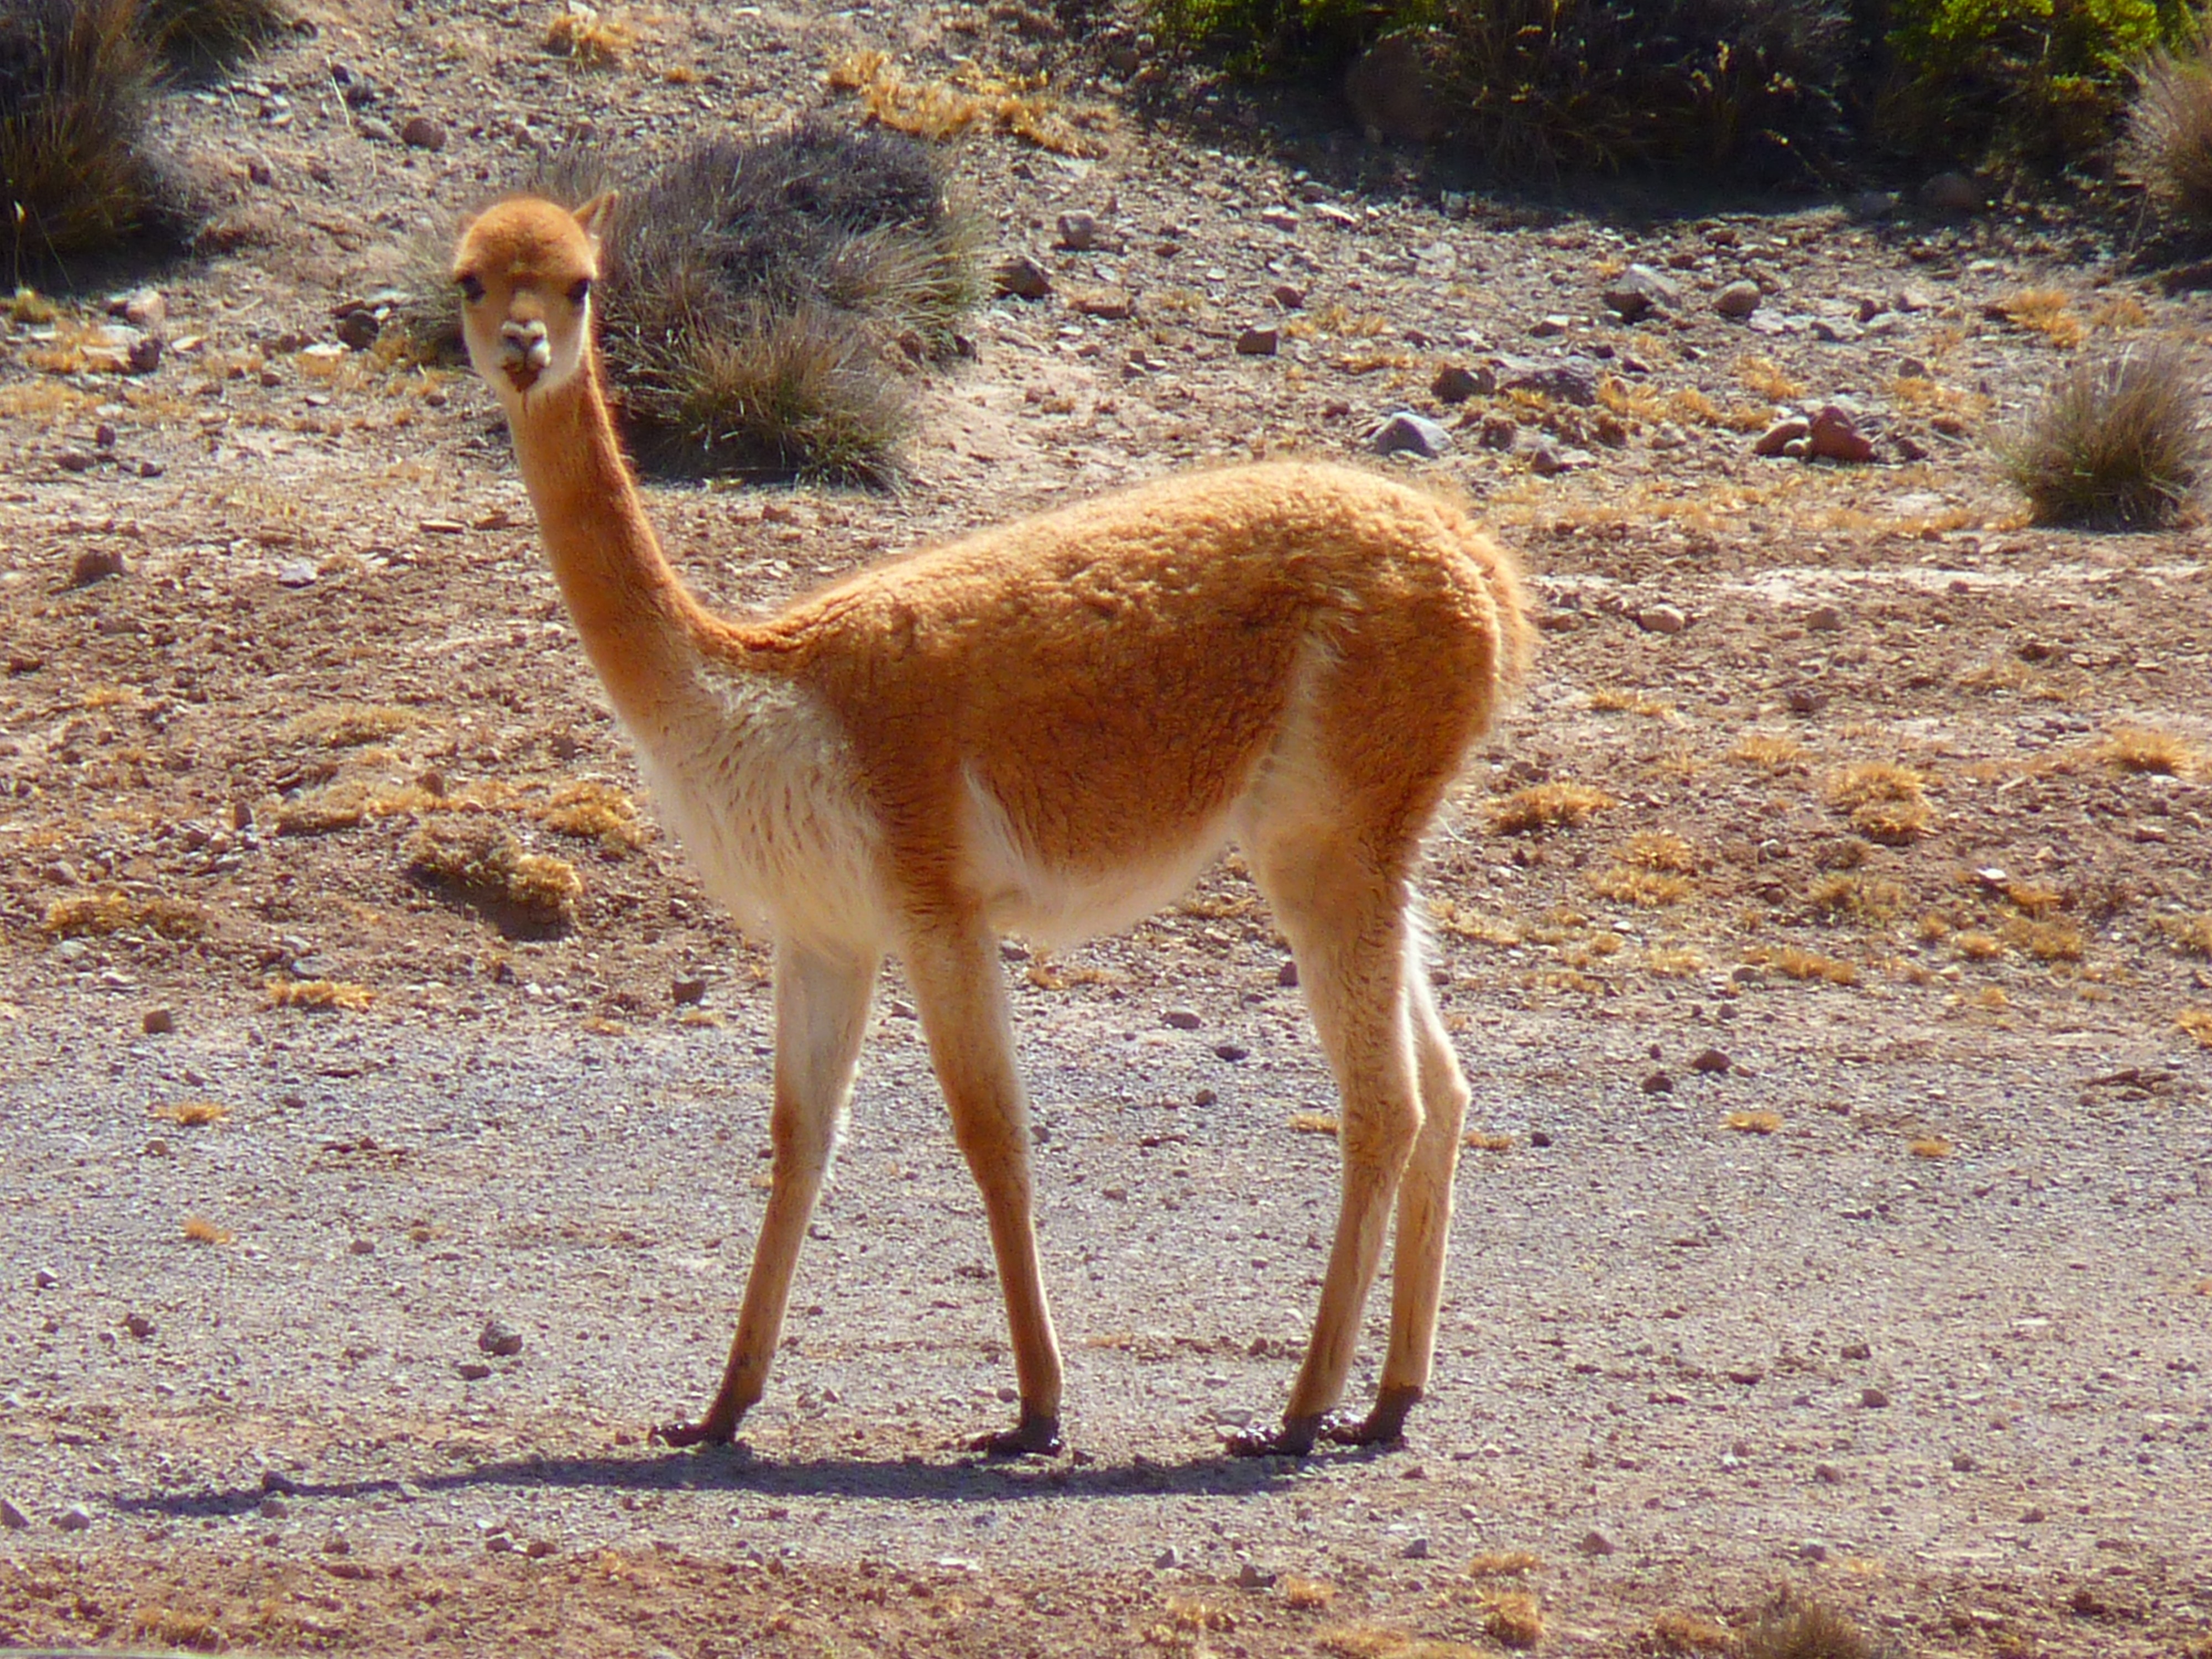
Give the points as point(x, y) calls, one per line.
point(1111, 305)
point(1828, 1474)
point(296, 573)
point(1252, 1577)
point(1168, 1560)
point(12, 1517)
point(1537, 1138)
point(1658, 1082)
point(1952, 194)
point(498, 1339)
point(1711, 1061)
point(97, 564)
point(1780, 435)
point(273, 1508)
point(1288, 973)
point(1232, 1052)
point(689, 990)
point(1258, 342)
point(1596, 1543)
point(1872, 1399)
point(1078, 232)
point(1856, 1351)
point(1824, 619)
point(75, 1518)
point(45, 1279)
point(1547, 459)
point(278, 1482)
point(1737, 300)
point(1456, 383)
point(1836, 437)
point(1812, 1549)
point(473, 1371)
point(1183, 1019)
point(1022, 277)
point(1414, 433)
point(421, 132)
point(1640, 290)
point(1661, 619)
point(1290, 296)
point(1416, 1550)
point(139, 1325)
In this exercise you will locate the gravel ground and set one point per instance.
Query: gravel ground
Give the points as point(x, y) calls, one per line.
point(1903, 1305)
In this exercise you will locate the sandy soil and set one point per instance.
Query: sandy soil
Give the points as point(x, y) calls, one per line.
point(1899, 1298)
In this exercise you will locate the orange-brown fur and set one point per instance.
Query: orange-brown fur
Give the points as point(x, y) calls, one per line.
point(1047, 726)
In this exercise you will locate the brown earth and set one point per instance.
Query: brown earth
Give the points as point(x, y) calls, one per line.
point(1897, 821)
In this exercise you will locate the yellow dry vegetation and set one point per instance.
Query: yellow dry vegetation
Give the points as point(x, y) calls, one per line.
point(473, 856)
point(80, 914)
point(190, 1114)
point(2045, 311)
point(1512, 1620)
point(1020, 106)
point(1313, 1123)
point(1659, 849)
point(1610, 701)
point(1649, 890)
point(1885, 800)
point(319, 994)
point(1752, 1123)
point(2134, 749)
point(1311, 1595)
point(347, 725)
point(1766, 377)
point(2191, 935)
point(1483, 1140)
point(1867, 898)
point(2197, 1022)
point(588, 37)
point(1770, 751)
point(201, 1231)
point(593, 811)
point(1504, 1563)
point(1977, 946)
point(1380, 1642)
point(1800, 965)
point(1673, 961)
point(1685, 1632)
point(1930, 1146)
point(2046, 941)
point(1546, 806)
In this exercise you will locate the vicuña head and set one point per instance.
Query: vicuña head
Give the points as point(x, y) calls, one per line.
point(526, 270)
point(1050, 727)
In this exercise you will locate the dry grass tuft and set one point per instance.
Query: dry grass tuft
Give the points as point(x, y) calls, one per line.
point(589, 37)
point(2190, 935)
point(2117, 443)
point(1930, 1146)
point(83, 914)
point(2134, 749)
point(1805, 1630)
point(1310, 1594)
point(2046, 941)
point(1615, 702)
point(1021, 107)
point(2197, 1022)
point(347, 725)
point(2045, 311)
point(1483, 1140)
point(1884, 801)
point(1658, 849)
point(1513, 1620)
point(1793, 964)
point(1673, 961)
point(1977, 946)
point(190, 1114)
point(1504, 1563)
point(197, 36)
point(1752, 1123)
point(594, 811)
point(2034, 900)
point(1770, 751)
point(1379, 1641)
point(174, 1627)
point(1685, 1632)
point(479, 862)
point(1766, 377)
point(1865, 898)
point(203, 1231)
point(320, 995)
point(1647, 888)
point(1314, 1123)
point(77, 168)
point(2168, 147)
point(1546, 806)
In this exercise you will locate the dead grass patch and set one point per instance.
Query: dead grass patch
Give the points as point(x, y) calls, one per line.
point(1019, 106)
point(348, 724)
point(1612, 701)
point(2045, 311)
point(1792, 962)
point(2197, 1022)
point(1504, 1563)
point(1659, 849)
point(2046, 941)
point(1380, 1642)
point(1864, 898)
point(1886, 801)
point(593, 811)
point(2031, 900)
point(1311, 1595)
point(1513, 1620)
point(1482, 1140)
point(1767, 379)
point(1685, 1632)
point(2118, 442)
point(1546, 806)
point(190, 1114)
point(2136, 749)
point(1314, 1123)
point(588, 37)
point(1806, 1629)
point(2190, 935)
point(1752, 1123)
point(1770, 751)
point(1673, 961)
point(1648, 890)
point(200, 1230)
point(1930, 1146)
point(318, 995)
point(82, 913)
point(476, 859)
point(1977, 946)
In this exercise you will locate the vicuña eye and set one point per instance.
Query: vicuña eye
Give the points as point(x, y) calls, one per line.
point(579, 291)
point(473, 289)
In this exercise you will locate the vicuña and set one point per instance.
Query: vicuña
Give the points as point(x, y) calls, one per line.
point(1050, 728)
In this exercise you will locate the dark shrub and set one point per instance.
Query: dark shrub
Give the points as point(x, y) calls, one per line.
point(205, 34)
point(2168, 148)
point(2117, 443)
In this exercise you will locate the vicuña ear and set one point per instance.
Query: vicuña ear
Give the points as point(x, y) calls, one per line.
point(595, 216)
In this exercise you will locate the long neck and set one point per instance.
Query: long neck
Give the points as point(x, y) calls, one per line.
point(630, 608)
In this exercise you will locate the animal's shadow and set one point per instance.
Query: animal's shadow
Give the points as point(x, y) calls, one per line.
point(737, 1469)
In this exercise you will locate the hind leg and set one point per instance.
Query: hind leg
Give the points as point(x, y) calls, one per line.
point(1347, 929)
point(1424, 1213)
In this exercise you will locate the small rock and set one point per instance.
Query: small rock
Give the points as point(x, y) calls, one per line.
point(278, 1482)
point(1568, 379)
point(376, 130)
point(1737, 300)
point(357, 330)
point(1547, 459)
point(1874, 204)
point(1288, 973)
point(1550, 327)
point(1952, 194)
point(473, 1371)
point(75, 460)
point(1168, 1560)
point(11, 1518)
point(295, 572)
point(500, 1544)
point(362, 1246)
point(1183, 1019)
point(1416, 1550)
point(1498, 431)
point(142, 308)
point(1281, 218)
point(1078, 232)
point(420, 132)
point(498, 1340)
point(1456, 384)
point(538, 1548)
point(139, 1325)
point(1711, 1061)
point(1828, 1474)
point(1596, 1543)
point(1022, 277)
point(103, 436)
point(2032, 1516)
point(1640, 290)
point(45, 1279)
point(274, 1508)
point(97, 564)
point(1661, 619)
point(1232, 1052)
point(1658, 1082)
point(1963, 1462)
point(1778, 436)
point(1252, 1577)
point(1797, 449)
point(1290, 296)
point(1539, 1139)
point(1812, 1549)
point(1835, 437)
point(1257, 342)
point(1804, 700)
point(1824, 619)
point(1111, 305)
point(1414, 433)
point(75, 1518)
point(689, 990)
point(1872, 1399)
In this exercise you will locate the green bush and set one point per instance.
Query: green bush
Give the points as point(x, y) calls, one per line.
point(2037, 81)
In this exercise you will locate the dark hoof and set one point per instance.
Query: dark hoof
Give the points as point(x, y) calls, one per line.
point(1034, 1436)
point(680, 1434)
point(1385, 1426)
point(1294, 1439)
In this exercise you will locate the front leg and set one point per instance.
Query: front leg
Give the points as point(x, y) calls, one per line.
point(953, 961)
point(821, 1012)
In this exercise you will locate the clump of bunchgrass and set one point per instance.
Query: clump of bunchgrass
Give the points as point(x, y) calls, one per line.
point(1546, 806)
point(78, 171)
point(2168, 146)
point(2118, 442)
point(1802, 1629)
point(196, 36)
point(470, 856)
